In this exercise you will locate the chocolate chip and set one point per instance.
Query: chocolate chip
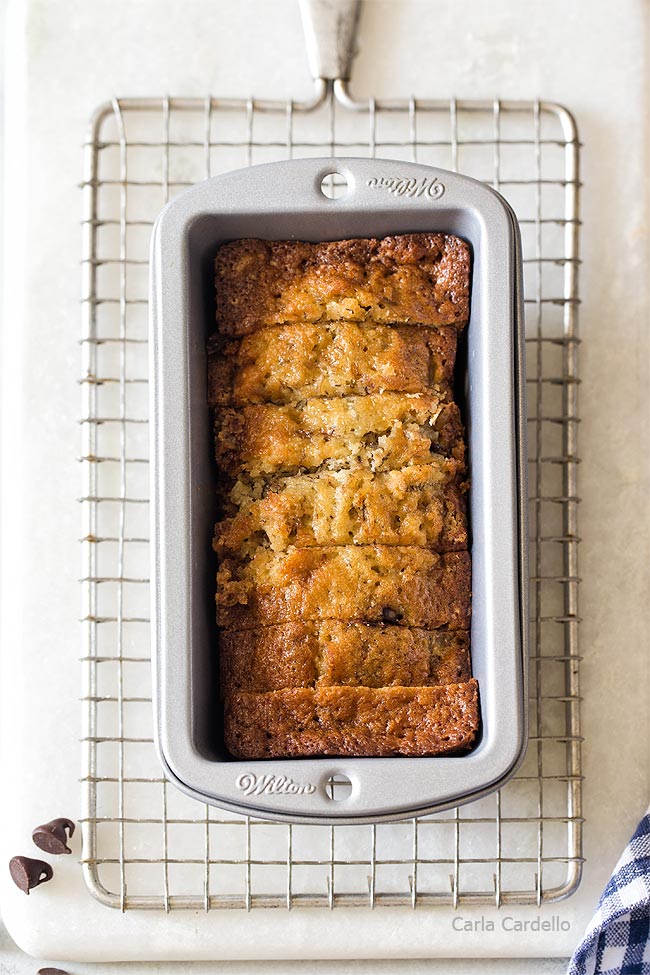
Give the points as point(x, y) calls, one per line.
point(389, 615)
point(52, 836)
point(51, 971)
point(27, 872)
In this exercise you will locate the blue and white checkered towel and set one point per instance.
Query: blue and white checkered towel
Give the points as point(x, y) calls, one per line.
point(617, 942)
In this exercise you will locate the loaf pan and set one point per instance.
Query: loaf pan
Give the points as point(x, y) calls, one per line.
point(284, 201)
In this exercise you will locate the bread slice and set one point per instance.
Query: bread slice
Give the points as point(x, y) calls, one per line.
point(341, 652)
point(399, 584)
point(413, 278)
point(419, 505)
point(357, 721)
point(289, 363)
point(385, 431)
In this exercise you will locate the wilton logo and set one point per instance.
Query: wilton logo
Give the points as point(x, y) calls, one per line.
point(257, 785)
point(427, 186)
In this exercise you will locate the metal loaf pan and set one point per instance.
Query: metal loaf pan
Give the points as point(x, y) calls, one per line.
point(283, 201)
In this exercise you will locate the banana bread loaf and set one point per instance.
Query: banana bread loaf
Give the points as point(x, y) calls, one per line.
point(352, 721)
point(419, 505)
point(399, 584)
point(344, 580)
point(341, 652)
point(413, 278)
point(288, 363)
point(380, 432)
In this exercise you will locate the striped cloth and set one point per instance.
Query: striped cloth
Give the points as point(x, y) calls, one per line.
point(617, 942)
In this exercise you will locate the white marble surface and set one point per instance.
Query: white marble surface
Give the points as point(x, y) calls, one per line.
point(14, 962)
point(576, 54)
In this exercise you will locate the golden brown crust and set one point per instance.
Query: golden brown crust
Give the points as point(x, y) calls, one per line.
point(344, 585)
point(386, 655)
point(381, 432)
point(419, 505)
point(288, 363)
point(268, 658)
point(359, 721)
point(412, 278)
point(404, 585)
point(341, 652)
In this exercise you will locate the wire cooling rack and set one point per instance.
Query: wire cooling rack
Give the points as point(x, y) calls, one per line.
point(145, 844)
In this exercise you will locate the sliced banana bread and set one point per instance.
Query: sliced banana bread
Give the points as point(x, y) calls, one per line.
point(352, 721)
point(412, 278)
point(399, 584)
point(341, 652)
point(419, 505)
point(381, 432)
point(289, 363)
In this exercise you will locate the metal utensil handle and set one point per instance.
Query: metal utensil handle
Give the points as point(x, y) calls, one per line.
point(330, 34)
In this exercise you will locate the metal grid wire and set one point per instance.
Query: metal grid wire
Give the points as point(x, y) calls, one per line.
point(145, 844)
